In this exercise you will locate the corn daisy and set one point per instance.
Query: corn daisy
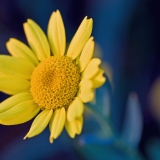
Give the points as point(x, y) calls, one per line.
point(46, 81)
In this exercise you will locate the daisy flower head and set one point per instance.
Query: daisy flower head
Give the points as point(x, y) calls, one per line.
point(47, 81)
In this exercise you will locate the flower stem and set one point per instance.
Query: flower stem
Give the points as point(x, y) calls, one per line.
point(104, 125)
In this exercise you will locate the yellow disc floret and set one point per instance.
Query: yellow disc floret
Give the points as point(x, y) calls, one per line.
point(54, 82)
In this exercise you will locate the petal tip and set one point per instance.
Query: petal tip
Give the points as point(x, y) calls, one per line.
point(29, 20)
point(25, 25)
point(57, 11)
point(73, 136)
point(7, 43)
point(92, 38)
point(51, 140)
point(11, 39)
point(90, 20)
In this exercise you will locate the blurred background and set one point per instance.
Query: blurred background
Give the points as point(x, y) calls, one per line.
point(124, 121)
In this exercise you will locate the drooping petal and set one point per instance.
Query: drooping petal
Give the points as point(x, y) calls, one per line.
point(57, 123)
point(86, 54)
point(74, 127)
point(56, 34)
point(39, 123)
point(85, 92)
point(11, 66)
point(14, 100)
point(98, 80)
point(20, 113)
point(18, 49)
point(80, 38)
point(86, 83)
point(92, 68)
point(14, 85)
point(37, 39)
point(75, 109)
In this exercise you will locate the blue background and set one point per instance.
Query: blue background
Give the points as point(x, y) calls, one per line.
point(128, 34)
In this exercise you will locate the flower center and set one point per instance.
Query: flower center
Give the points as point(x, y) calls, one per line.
point(54, 82)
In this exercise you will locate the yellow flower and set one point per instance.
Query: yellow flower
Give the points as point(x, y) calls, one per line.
point(53, 84)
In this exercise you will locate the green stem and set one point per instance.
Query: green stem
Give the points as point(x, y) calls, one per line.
point(105, 127)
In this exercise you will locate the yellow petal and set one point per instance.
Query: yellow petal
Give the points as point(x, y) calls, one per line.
point(79, 124)
point(92, 68)
point(14, 100)
point(85, 92)
point(87, 97)
point(18, 49)
point(80, 38)
point(86, 54)
point(20, 113)
point(14, 85)
point(77, 60)
point(37, 39)
point(98, 80)
point(74, 127)
point(57, 123)
point(75, 109)
point(56, 34)
point(39, 123)
point(11, 66)
point(86, 83)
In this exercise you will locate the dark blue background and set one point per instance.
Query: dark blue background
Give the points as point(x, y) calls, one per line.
point(128, 33)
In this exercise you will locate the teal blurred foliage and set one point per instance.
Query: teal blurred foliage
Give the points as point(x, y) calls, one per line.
point(153, 148)
point(120, 124)
point(133, 122)
point(103, 141)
